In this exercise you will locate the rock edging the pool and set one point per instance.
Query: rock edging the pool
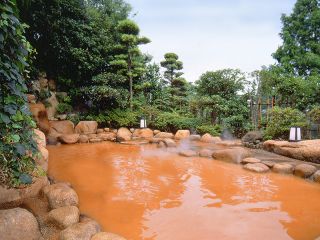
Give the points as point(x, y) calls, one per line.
point(46, 209)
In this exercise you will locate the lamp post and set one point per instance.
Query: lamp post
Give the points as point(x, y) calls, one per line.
point(143, 122)
point(295, 134)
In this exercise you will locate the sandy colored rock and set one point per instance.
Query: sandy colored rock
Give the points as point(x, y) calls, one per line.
point(308, 150)
point(86, 127)
point(250, 160)
point(182, 134)
point(52, 105)
point(155, 132)
point(95, 140)
point(31, 98)
point(83, 139)
point(107, 236)
point(145, 133)
point(188, 153)
point(161, 145)
point(207, 138)
point(195, 137)
point(107, 136)
point(34, 189)
point(83, 230)
point(206, 153)
point(155, 140)
point(64, 217)
point(18, 224)
point(106, 129)
point(40, 115)
point(39, 137)
point(270, 164)
point(169, 142)
point(60, 195)
point(234, 155)
point(256, 167)
point(63, 127)
point(92, 135)
point(304, 170)
point(316, 176)
point(284, 168)
point(9, 197)
point(69, 138)
point(42, 158)
point(164, 135)
point(123, 134)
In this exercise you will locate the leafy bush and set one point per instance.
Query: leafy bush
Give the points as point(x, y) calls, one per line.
point(314, 114)
point(123, 118)
point(172, 121)
point(214, 130)
point(63, 108)
point(281, 119)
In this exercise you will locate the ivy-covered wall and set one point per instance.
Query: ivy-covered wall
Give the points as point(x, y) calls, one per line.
point(16, 144)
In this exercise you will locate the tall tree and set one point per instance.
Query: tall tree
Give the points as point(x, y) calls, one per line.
point(300, 51)
point(129, 61)
point(172, 65)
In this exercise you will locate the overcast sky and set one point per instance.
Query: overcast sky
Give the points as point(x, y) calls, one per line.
point(212, 34)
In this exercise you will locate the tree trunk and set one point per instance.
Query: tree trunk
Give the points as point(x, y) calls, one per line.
point(131, 92)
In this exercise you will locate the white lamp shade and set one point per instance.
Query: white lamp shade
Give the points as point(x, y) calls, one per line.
point(295, 134)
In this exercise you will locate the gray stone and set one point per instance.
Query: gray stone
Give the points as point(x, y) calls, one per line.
point(64, 217)
point(304, 170)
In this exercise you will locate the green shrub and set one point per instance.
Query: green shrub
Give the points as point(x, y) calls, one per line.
point(280, 121)
point(172, 121)
point(314, 114)
point(63, 108)
point(214, 130)
point(122, 118)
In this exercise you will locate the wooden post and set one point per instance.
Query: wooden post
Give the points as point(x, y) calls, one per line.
point(259, 113)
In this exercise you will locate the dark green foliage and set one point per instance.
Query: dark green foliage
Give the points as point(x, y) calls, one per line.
point(314, 114)
point(172, 66)
point(172, 121)
point(64, 108)
point(300, 52)
point(281, 119)
point(15, 121)
point(214, 130)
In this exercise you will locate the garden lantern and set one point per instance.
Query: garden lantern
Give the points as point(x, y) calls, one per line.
point(143, 123)
point(295, 134)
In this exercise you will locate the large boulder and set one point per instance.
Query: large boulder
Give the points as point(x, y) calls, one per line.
point(234, 155)
point(164, 135)
point(86, 127)
point(188, 153)
point(123, 134)
point(252, 136)
point(39, 138)
point(305, 150)
point(107, 236)
point(182, 134)
point(69, 138)
point(256, 167)
point(207, 138)
point(64, 217)
point(40, 115)
point(52, 105)
point(316, 176)
point(284, 168)
point(83, 230)
point(60, 195)
point(304, 170)
point(42, 158)
point(206, 153)
point(145, 133)
point(83, 139)
point(107, 136)
point(13, 197)
point(62, 127)
point(169, 142)
point(250, 160)
point(17, 224)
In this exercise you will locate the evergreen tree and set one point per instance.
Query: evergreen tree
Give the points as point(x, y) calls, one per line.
point(129, 61)
point(300, 52)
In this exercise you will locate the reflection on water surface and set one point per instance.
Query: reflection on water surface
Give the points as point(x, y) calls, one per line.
point(142, 192)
